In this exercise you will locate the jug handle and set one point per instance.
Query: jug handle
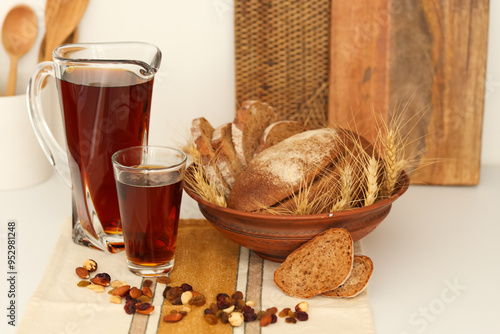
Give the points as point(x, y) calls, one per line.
point(54, 152)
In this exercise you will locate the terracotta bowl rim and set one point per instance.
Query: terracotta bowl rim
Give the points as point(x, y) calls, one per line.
point(403, 184)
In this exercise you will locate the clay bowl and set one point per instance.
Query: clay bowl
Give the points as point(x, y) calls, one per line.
point(273, 237)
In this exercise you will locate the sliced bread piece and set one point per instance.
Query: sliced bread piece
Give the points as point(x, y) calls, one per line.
point(320, 265)
point(202, 132)
point(227, 159)
point(250, 122)
point(358, 280)
point(277, 132)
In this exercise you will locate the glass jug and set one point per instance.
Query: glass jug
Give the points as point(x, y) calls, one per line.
point(105, 92)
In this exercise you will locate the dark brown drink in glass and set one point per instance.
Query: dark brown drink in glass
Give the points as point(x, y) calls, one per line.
point(150, 217)
point(107, 110)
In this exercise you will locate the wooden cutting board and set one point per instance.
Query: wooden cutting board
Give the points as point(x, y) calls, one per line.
point(432, 53)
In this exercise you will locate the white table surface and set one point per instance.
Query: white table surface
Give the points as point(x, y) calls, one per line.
point(436, 256)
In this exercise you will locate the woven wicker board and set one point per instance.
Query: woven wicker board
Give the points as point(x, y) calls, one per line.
point(282, 56)
point(336, 62)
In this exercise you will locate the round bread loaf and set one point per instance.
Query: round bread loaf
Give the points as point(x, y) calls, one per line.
point(278, 172)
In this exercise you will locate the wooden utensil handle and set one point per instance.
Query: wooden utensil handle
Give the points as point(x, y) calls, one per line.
point(11, 81)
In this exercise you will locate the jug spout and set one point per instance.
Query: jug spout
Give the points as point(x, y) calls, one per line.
point(143, 59)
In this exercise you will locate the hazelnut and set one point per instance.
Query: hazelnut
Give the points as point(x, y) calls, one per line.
point(236, 319)
point(302, 307)
point(90, 265)
point(186, 297)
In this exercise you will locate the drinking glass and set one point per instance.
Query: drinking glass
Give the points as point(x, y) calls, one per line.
point(149, 184)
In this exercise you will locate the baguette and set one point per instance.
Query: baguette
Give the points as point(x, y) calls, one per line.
point(322, 264)
point(358, 280)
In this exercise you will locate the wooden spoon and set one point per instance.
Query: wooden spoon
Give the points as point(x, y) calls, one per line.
point(18, 36)
point(72, 38)
point(61, 19)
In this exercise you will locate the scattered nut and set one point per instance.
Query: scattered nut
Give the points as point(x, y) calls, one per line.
point(83, 284)
point(101, 279)
point(116, 283)
point(147, 283)
point(147, 291)
point(250, 303)
point(186, 297)
point(115, 299)
point(236, 319)
point(302, 306)
point(90, 265)
point(121, 291)
point(96, 287)
point(82, 272)
point(135, 292)
point(173, 317)
point(229, 309)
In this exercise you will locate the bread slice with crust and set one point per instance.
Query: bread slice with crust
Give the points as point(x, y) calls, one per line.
point(227, 160)
point(320, 265)
point(248, 125)
point(358, 280)
point(202, 132)
point(277, 132)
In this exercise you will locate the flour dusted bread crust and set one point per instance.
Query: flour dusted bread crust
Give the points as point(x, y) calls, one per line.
point(281, 170)
point(322, 264)
point(227, 160)
point(277, 132)
point(250, 122)
point(202, 132)
point(358, 280)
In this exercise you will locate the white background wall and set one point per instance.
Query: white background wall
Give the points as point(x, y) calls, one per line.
point(196, 77)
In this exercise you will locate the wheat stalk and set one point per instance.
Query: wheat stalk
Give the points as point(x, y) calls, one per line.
point(346, 186)
point(197, 179)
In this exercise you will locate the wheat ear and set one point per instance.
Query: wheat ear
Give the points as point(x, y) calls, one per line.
point(371, 175)
point(198, 181)
point(346, 186)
